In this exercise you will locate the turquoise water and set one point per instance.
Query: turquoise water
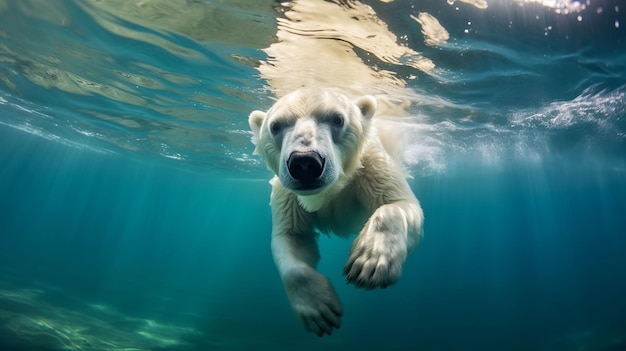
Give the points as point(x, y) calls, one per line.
point(135, 216)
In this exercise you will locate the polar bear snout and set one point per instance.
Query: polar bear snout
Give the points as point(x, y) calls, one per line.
point(306, 167)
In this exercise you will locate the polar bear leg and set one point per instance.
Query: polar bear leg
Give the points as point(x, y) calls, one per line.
point(311, 295)
point(378, 253)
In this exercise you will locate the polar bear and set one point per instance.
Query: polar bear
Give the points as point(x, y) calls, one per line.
point(333, 175)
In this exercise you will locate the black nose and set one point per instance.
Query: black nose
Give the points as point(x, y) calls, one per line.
point(305, 166)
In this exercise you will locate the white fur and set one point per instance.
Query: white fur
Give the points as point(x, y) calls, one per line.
point(365, 192)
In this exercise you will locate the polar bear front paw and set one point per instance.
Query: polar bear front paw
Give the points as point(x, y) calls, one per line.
point(314, 300)
point(376, 258)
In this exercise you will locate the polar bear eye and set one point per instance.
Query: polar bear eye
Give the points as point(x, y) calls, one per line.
point(275, 127)
point(337, 120)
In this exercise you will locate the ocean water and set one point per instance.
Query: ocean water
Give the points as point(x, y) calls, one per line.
point(134, 215)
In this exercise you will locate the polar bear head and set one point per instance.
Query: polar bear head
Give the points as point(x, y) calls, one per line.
point(312, 138)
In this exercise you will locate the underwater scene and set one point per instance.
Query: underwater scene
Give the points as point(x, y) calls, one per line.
point(135, 215)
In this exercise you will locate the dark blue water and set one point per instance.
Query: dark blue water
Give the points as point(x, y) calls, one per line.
point(133, 214)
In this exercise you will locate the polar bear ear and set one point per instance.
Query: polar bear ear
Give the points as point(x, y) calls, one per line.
point(256, 121)
point(367, 105)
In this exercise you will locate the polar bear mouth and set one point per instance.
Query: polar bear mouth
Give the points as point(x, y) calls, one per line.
point(306, 167)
